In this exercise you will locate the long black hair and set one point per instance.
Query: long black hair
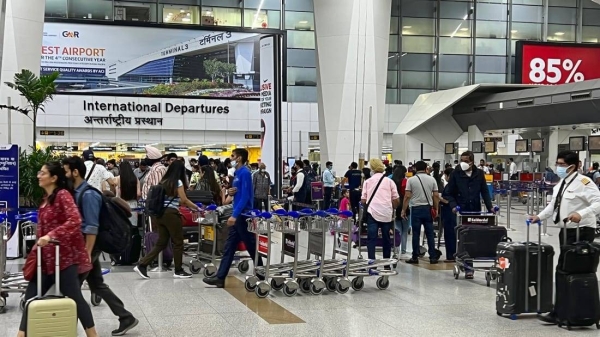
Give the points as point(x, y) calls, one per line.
point(128, 182)
point(174, 174)
point(399, 175)
point(55, 169)
point(208, 174)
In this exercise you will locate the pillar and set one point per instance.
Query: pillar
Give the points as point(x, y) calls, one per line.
point(352, 40)
point(23, 30)
point(475, 135)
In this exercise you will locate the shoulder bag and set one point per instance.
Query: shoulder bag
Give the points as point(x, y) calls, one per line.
point(433, 210)
point(366, 208)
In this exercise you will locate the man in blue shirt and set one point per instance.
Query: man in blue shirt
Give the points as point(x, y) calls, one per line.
point(353, 178)
point(328, 185)
point(90, 205)
point(243, 201)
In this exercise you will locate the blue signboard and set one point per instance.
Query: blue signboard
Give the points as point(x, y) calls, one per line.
point(9, 192)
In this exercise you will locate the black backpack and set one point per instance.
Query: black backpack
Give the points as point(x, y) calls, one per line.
point(591, 175)
point(114, 232)
point(155, 201)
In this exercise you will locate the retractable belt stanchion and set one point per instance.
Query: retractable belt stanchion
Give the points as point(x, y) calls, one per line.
point(508, 206)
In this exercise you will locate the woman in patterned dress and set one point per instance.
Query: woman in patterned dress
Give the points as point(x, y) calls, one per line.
point(59, 219)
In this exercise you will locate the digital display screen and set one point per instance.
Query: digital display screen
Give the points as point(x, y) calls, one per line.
point(547, 63)
point(577, 143)
point(490, 147)
point(594, 143)
point(537, 145)
point(521, 145)
point(477, 147)
point(449, 148)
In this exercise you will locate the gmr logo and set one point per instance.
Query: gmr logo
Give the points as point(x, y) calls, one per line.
point(73, 35)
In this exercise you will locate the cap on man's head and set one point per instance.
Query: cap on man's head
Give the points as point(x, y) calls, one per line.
point(153, 153)
point(88, 155)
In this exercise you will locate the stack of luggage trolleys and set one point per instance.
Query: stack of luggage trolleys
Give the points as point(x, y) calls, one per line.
point(477, 236)
point(310, 276)
point(210, 219)
point(11, 282)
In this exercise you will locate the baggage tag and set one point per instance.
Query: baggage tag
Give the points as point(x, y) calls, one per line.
point(532, 291)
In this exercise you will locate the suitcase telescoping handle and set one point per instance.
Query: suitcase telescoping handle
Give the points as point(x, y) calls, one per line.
point(56, 269)
point(539, 267)
point(565, 222)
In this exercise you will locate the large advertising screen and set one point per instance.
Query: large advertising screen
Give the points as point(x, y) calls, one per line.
point(547, 63)
point(103, 59)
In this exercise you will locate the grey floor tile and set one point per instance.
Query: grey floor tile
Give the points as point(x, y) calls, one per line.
point(192, 326)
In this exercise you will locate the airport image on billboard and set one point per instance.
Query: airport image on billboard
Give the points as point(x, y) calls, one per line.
point(101, 59)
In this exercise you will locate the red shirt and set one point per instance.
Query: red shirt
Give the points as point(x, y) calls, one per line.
point(62, 221)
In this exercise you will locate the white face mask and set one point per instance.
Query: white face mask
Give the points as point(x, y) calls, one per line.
point(234, 163)
point(464, 166)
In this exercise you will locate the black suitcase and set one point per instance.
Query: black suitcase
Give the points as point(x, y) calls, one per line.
point(577, 300)
point(479, 241)
point(525, 273)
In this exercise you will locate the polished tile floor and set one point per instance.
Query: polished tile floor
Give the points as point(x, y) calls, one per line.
point(420, 301)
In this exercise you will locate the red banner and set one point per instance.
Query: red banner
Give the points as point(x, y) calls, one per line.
point(556, 63)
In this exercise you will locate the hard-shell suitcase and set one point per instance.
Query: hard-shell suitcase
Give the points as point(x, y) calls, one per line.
point(150, 240)
point(479, 241)
point(577, 300)
point(577, 297)
point(524, 277)
point(52, 315)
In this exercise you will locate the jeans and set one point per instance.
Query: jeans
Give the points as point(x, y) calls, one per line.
point(238, 232)
point(97, 286)
point(260, 203)
point(449, 221)
point(327, 194)
point(169, 228)
point(69, 287)
point(372, 231)
point(402, 227)
point(421, 215)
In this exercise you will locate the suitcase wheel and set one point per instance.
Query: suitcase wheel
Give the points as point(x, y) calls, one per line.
point(513, 317)
point(456, 272)
point(95, 300)
point(498, 313)
point(598, 326)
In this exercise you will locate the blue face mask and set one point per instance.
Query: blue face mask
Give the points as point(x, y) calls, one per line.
point(561, 171)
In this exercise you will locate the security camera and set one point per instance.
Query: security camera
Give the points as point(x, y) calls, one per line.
point(574, 127)
point(513, 131)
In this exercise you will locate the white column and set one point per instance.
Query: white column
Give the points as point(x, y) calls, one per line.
point(352, 38)
point(23, 31)
point(475, 135)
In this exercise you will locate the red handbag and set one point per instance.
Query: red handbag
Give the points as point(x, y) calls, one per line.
point(30, 267)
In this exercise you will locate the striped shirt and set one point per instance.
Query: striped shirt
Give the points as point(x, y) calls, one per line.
point(157, 171)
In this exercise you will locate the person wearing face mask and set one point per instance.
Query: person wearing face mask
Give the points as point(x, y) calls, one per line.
point(261, 180)
point(576, 199)
point(328, 184)
point(465, 189)
point(243, 202)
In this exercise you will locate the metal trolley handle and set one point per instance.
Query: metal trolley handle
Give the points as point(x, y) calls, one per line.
point(539, 267)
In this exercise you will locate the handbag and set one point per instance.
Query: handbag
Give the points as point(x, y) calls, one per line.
point(366, 208)
point(433, 211)
point(30, 267)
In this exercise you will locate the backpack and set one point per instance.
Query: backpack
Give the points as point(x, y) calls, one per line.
point(591, 175)
point(155, 201)
point(309, 177)
point(114, 232)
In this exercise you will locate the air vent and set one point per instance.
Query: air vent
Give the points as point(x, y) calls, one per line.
point(581, 95)
point(480, 108)
point(525, 102)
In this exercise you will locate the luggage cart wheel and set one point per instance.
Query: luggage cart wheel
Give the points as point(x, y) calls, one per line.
point(456, 273)
point(261, 293)
point(316, 290)
point(488, 279)
point(95, 300)
point(383, 283)
point(358, 284)
point(2, 303)
point(249, 285)
point(210, 271)
point(340, 288)
point(330, 283)
point(195, 267)
point(243, 266)
point(288, 291)
point(276, 284)
point(304, 285)
point(422, 251)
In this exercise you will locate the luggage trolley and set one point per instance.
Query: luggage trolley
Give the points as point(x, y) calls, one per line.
point(259, 223)
point(475, 220)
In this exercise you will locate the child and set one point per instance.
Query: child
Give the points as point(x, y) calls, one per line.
point(344, 204)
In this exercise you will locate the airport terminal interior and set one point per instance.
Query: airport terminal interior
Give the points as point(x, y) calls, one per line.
point(335, 83)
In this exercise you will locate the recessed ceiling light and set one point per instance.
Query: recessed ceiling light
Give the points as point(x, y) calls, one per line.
point(464, 29)
point(182, 11)
point(407, 27)
point(559, 33)
point(514, 31)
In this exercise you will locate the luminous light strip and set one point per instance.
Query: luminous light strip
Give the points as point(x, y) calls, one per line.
point(457, 28)
point(257, 12)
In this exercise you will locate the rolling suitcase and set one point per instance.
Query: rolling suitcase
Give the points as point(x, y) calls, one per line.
point(52, 315)
point(577, 297)
point(524, 277)
point(150, 240)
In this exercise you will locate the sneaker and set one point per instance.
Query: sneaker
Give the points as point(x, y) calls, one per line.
point(142, 271)
point(181, 274)
point(412, 261)
point(125, 325)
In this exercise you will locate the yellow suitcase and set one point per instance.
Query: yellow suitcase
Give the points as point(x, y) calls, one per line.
point(52, 315)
